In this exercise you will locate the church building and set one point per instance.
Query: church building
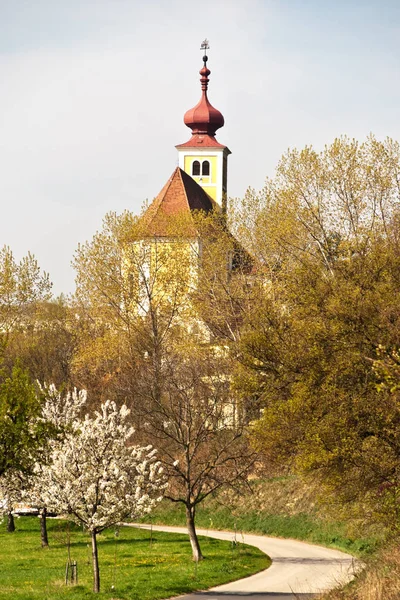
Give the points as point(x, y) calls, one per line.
point(185, 225)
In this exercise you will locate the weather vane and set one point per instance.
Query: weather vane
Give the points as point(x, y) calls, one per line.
point(205, 46)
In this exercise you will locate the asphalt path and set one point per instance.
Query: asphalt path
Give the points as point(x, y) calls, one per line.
point(299, 571)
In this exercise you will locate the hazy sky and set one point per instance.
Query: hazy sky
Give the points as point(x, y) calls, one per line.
point(93, 92)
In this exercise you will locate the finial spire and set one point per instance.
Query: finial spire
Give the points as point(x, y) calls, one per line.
point(205, 45)
point(204, 72)
point(204, 119)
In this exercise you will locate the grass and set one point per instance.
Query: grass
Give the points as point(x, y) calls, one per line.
point(380, 580)
point(301, 526)
point(137, 567)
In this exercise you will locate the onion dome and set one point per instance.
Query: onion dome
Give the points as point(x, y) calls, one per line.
point(204, 119)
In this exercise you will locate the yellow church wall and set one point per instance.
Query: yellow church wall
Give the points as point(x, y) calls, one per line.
point(211, 191)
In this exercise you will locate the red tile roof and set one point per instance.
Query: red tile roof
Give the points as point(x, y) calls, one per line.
point(201, 141)
point(180, 196)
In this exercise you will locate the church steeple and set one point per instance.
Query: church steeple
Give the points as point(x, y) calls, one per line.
point(203, 157)
point(204, 119)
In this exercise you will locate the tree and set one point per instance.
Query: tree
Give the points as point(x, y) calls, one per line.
point(33, 417)
point(59, 410)
point(45, 345)
point(61, 407)
point(22, 287)
point(23, 435)
point(99, 480)
point(126, 284)
point(224, 282)
point(11, 492)
point(197, 426)
point(156, 303)
point(326, 235)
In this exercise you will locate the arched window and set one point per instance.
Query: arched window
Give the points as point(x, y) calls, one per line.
point(205, 169)
point(196, 168)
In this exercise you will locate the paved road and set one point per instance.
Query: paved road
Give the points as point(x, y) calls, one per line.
point(298, 571)
point(250, 596)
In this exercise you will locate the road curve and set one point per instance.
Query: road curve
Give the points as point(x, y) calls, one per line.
point(297, 568)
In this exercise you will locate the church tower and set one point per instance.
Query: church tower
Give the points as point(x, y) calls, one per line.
point(203, 157)
point(172, 241)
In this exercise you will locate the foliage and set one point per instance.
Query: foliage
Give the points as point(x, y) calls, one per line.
point(23, 436)
point(135, 291)
point(61, 408)
point(96, 478)
point(11, 484)
point(22, 286)
point(222, 295)
point(326, 233)
point(59, 411)
point(35, 331)
point(45, 345)
point(126, 283)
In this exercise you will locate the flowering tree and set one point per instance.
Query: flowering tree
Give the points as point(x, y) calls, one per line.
point(11, 492)
point(59, 410)
point(98, 479)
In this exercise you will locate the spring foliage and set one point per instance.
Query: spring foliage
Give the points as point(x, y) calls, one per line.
point(23, 434)
point(326, 234)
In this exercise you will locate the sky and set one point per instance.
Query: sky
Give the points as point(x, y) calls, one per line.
point(93, 93)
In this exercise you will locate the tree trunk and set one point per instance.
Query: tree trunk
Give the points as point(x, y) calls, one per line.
point(197, 555)
point(10, 522)
point(95, 558)
point(43, 528)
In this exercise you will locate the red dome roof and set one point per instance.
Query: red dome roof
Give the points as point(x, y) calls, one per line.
point(204, 119)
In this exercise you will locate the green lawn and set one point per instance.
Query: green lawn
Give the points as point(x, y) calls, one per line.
point(139, 568)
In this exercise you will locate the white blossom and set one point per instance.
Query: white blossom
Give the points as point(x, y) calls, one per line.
point(11, 490)
point(94, 475)
point(61, 409)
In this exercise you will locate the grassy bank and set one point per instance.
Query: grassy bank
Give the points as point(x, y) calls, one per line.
point(281, 508)
point(301, 527)
point(133, 565)
point(379, 581)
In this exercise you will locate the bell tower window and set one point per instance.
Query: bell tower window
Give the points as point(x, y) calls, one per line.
point(196, 168)
point(205, 168)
